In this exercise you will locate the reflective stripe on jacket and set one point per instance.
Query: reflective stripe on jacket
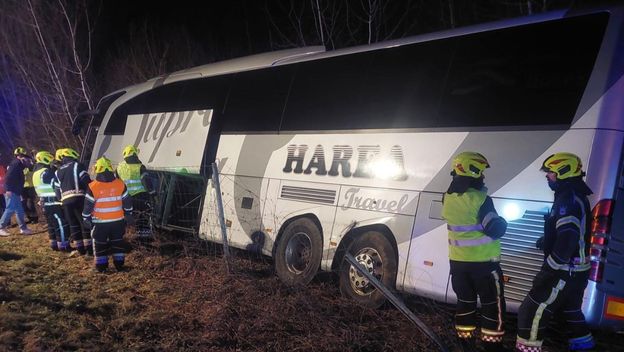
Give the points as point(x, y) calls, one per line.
point(131, 176)
point(467, 241)
point(44, 190)
point(72, 180)
point(107, 197)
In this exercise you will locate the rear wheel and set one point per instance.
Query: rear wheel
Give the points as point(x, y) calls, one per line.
point(375, 253)
point(298, 253)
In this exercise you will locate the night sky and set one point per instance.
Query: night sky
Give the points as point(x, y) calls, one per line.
point(238, 25)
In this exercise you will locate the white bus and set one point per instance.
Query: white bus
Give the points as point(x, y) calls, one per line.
point(320, 152)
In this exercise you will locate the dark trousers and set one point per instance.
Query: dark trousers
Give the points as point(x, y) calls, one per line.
point(485, 281)
point(29, 203)
point(108, 240)
point(58, 228)
point(141, 213)
point(72, 208)
point(553, 292)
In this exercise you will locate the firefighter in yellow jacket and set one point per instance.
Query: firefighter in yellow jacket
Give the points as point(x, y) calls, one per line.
point(134, 174)
point(43, 180)
point(107, 204)
point(474, 229)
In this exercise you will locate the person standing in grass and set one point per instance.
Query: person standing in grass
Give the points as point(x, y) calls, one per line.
point(134, 174)
point(43, 179)
point(474, 232)
point(72, 183)
point(107, 204)
point(14, 185)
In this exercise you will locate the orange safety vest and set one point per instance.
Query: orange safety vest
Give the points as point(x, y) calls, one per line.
point(108, 205)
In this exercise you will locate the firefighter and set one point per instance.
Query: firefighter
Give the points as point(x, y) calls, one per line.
point(474, 229)
point(559, 285)
point(107, 204)
point(72, 180)
point(43, 180)
point(134, 174)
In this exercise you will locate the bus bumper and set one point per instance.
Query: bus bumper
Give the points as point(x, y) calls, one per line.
point(603, 310)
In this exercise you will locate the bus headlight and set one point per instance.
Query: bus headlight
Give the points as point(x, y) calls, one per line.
point(511, 211)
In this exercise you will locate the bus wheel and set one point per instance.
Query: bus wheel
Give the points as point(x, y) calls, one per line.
point(298, 253)
point(374, 252)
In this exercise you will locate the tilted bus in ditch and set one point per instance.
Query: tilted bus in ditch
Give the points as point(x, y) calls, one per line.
point(322, 152)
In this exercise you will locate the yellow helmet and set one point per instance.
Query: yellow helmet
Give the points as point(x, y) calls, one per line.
point(130, 150)
point(70, 153)
point(19, 151)
point(103, 164)
point(58, 155)
point(565, 165)
point(44, 157)
point(470, 164)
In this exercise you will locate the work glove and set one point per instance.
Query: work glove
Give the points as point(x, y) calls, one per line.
point(129, 219)
point(539, 244)
point(87, 223)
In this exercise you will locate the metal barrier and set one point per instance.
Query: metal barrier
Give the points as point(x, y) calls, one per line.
point(396, 301)
point(179, 200)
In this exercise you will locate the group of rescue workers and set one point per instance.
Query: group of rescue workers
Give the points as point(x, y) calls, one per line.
point(474, 232)
point(84, 216)
point(95, 214)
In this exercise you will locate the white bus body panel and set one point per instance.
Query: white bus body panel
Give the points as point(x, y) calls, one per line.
point(256, 166)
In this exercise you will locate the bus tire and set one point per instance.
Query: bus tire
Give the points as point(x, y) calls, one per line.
point(298, 253)
point(373, 250)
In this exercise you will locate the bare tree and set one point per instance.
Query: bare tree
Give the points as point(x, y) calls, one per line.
point(44, 52)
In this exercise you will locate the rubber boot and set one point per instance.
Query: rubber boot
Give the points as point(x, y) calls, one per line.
point(100, 268)
point(468, 345)
point(80, 248)
point(88, 247)
point(493, 347)
point(119, 266)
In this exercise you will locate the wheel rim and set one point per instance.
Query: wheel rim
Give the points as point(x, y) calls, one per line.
point(370, 259)
point(298, 253)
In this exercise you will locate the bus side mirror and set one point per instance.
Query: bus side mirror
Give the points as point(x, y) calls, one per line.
point(81, 120)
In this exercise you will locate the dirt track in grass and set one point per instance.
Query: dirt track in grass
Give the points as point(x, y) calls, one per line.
point(177, 296)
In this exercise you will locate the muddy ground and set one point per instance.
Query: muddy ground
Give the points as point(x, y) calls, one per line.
point(178, 296)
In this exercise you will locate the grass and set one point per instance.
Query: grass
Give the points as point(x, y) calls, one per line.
point(177, 296)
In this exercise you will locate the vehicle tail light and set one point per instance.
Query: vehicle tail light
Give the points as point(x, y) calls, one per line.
point(600, 228)
point(614, 308)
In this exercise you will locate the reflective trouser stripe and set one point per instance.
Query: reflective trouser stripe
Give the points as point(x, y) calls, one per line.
point(61, 229)
point(465, 327)
point(540, 310)
point(522, 343)
point(498, 301)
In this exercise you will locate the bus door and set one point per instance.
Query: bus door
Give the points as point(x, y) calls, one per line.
point(427, 263)
point(171, 146)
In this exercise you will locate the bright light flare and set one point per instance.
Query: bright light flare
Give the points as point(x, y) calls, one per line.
point(384, 169)
point(511, 211)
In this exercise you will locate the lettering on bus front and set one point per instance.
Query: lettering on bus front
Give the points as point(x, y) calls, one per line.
point(371, 162)
point(157, 127)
